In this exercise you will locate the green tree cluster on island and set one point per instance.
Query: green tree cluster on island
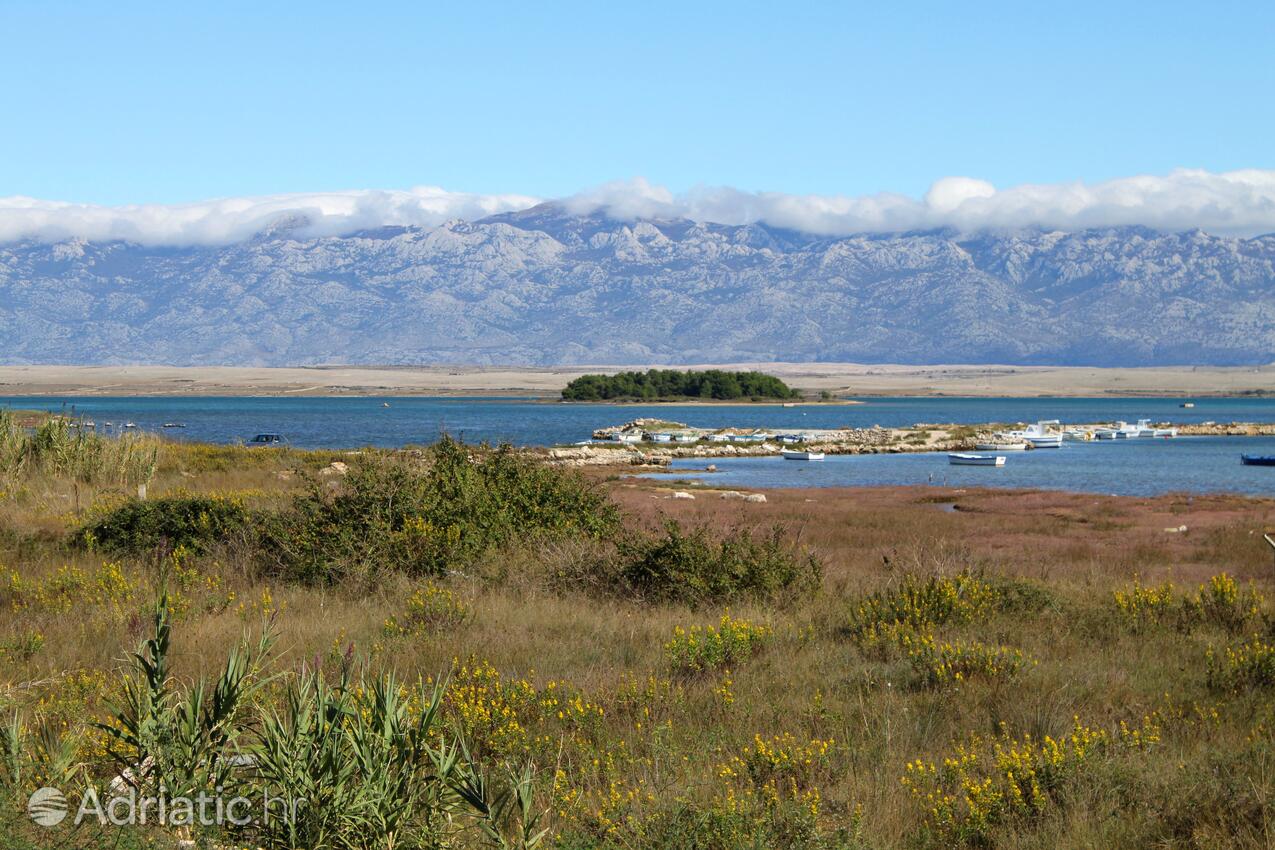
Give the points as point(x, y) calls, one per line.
point(672, 384)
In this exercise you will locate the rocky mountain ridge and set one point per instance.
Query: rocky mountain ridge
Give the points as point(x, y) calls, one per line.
point(546, 287)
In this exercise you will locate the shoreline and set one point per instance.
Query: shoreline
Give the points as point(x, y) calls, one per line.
point(544, 384)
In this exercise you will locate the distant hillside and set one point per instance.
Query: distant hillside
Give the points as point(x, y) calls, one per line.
point(543, 287)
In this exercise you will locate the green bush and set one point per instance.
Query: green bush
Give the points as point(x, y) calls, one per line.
point(191, 521)
point(426, 516)
point(672, 383)
point(693, 567)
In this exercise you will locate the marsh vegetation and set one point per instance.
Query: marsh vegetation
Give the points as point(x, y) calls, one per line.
point(457, 646)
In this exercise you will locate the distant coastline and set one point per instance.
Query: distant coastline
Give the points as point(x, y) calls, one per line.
point(840, 379)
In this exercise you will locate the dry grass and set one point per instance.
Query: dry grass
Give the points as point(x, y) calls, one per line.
point(662, 741)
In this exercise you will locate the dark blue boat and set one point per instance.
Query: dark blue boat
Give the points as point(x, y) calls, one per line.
point(1257, 460)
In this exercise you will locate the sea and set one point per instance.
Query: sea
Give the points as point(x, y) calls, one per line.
point(1124, 467)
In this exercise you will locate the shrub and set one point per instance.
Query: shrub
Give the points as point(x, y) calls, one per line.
point(700, 649)
point(989, 781)
point(1242, 666)
point(1220, 603)
point(919, 603)
point(694, 567)
point(1141, 606)
point(429, 609)
point(953, 662)
point(191, 521)
point(424, 517)
point(1223, 603)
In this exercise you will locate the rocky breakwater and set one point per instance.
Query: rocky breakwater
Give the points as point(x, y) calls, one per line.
point(603, 456)
point(1228, 429)
point(641, 437)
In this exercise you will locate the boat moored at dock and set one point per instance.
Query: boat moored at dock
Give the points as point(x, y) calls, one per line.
point(1040, 435)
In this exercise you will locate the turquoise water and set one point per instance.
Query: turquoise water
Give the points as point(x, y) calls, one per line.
point(1136, 467)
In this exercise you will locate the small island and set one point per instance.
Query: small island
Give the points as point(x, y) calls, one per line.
point(678, 385)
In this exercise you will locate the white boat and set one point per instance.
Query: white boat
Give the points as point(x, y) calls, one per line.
point(789, 438)
point(791, 454)
point(626, 437)
point(1038, 434)
point(660, 438)
point(960, 459)
point(719, 438)
point(1124, 431)
point(1165, 432)
point(130, 425)
point(1187, 404)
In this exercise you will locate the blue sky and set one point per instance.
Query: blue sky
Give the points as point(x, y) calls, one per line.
point(121, 102)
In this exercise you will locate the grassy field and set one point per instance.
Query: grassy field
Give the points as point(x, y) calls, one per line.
point(893, 668)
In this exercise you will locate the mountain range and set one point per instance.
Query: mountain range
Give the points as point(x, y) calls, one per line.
point(547, 287)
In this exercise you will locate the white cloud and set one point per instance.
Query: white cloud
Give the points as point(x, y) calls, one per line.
point(228, 220)
point(1236, 202)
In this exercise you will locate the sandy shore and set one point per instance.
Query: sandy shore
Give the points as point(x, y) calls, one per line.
point(842, 378)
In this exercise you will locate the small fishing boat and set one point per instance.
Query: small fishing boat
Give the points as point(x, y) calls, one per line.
point(1165, 432)
point(1187, 404)
point(1257, 460)
point(174, 424)
point(1124, 431)
point(719, 438)
point(1144, 428)
point(792, 454)
point(1040, 436)
point(626, 437)
point(660, 438)
point(1007, 446)
point(790, 438)
point(686, 438)
point(960, 459)
point(130, 425)
point(267, 440)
